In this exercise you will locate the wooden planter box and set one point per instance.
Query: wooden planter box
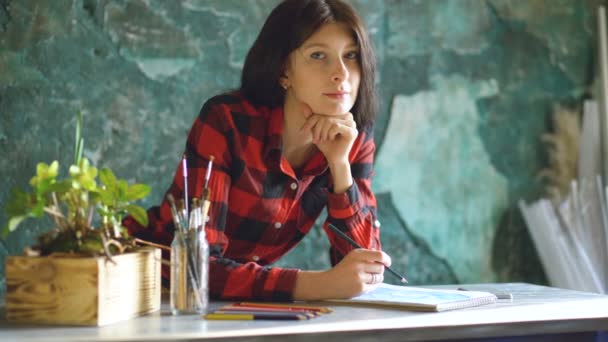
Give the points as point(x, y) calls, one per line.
point(82, 291)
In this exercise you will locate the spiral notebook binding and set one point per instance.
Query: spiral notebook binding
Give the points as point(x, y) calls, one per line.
point(466, 303)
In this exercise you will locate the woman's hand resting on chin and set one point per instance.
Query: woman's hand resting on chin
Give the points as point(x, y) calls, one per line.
point(333, 135)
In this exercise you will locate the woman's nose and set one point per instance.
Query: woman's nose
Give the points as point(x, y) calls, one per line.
point(340, 71)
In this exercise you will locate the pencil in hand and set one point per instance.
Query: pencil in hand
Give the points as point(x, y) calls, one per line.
point(356, 245)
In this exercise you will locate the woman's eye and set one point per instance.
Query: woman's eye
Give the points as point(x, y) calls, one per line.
point(352, 55)
point(317, 55)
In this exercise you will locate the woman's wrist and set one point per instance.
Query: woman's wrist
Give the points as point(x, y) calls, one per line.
point(310, 285)
point(341, 175)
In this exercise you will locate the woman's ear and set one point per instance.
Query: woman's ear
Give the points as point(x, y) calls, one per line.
point(284, 82)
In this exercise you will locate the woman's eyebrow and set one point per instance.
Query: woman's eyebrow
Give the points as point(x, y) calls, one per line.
point(323, 45)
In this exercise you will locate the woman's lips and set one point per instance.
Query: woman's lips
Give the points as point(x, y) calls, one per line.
point(336, 95)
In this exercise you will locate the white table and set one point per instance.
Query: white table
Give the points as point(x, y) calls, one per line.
point(534, 310)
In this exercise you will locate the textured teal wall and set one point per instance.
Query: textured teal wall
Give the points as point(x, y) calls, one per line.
point(467, 87)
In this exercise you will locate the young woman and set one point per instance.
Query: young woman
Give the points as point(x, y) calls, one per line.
point(294, 139)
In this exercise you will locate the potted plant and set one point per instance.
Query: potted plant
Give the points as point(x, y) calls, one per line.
point(86, 270)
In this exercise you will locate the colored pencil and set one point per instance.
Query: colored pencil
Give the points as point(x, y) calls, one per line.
point(255, 316)
point(292, 307)
point(306, 314)
point(254, 309)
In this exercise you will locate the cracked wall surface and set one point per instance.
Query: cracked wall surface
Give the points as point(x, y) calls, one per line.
point(466, 89)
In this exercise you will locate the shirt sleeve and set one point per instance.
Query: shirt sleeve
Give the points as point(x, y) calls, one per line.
point(213, 134)
point(354, 212)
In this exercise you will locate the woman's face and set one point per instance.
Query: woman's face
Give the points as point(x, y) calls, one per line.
point(324, 72)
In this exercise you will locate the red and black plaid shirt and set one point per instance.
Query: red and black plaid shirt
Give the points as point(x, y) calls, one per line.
point(261, 208)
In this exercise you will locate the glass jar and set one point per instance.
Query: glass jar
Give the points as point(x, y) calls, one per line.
point(189, 272)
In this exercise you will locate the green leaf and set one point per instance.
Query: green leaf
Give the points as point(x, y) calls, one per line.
point(38, 210)
point(88, 183)
point(78, 140)
point(139, 214)
point(94, 196)
point(4, 232)
point(12, 225)
point(80, 149)
point(107, 197)
point(137, 191)
point(44, 173)
point(74, 170)
point(83, 175)
point(14, 222)
point(60, 187)
point(123, 186)
point(103, 211)
point(108, 178)
point(19, 203)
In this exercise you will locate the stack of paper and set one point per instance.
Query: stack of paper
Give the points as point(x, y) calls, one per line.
point(571, 236)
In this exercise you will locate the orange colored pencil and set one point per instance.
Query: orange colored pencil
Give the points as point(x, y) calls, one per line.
point(286, 306)
point(263, 309)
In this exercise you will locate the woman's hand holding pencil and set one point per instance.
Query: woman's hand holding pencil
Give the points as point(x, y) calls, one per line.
point(356, 245)
point(359, 271)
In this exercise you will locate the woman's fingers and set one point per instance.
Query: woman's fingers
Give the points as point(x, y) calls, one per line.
point(373, 268)
point(369, 262)
point(371, 255)
point(324, 127)
point(359, 271)
point(343, 130)
point(375, 278)
point(385, 259)
point(311, 122)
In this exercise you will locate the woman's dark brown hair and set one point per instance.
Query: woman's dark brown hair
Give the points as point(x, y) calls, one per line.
point(286, 29)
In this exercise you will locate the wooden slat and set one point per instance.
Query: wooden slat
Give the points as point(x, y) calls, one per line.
point(128, 297)
point(82, 291)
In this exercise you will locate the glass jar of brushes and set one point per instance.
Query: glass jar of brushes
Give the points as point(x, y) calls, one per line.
point(189, 261)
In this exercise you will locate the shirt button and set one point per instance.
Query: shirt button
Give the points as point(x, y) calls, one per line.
point(377, 224)
point(278, 225)
point(255, 258)
point(293, 186)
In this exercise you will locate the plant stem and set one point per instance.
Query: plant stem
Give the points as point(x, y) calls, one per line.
point(90, 218)
point(55, 215)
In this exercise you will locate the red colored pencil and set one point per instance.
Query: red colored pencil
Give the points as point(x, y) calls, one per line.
point(259, 309)
point(285, 306)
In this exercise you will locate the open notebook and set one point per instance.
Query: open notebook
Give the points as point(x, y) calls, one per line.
point(421, 299)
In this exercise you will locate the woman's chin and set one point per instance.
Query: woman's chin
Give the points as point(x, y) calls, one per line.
point(332, 110)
